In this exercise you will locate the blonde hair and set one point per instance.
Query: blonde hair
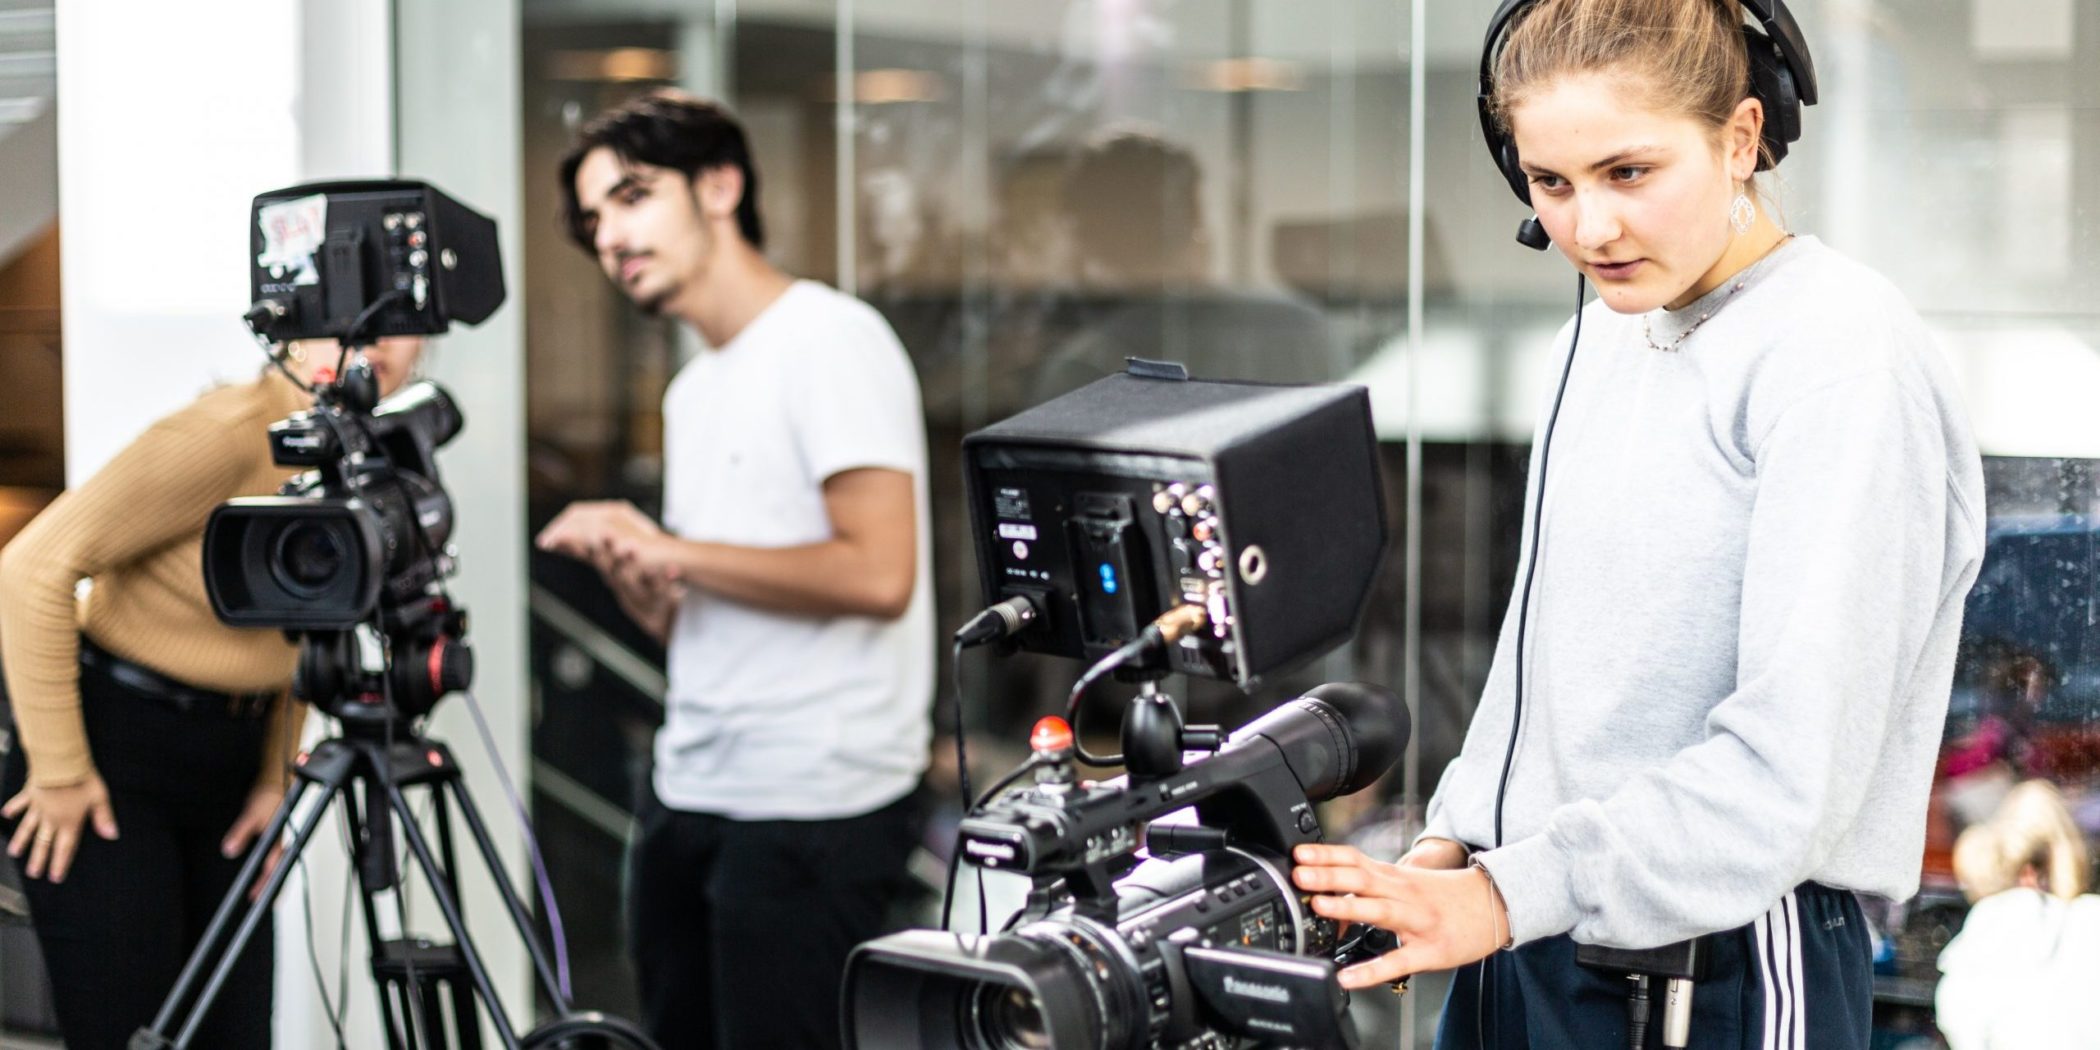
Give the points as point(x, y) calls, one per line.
point(2031, 830)
point(1678, 56)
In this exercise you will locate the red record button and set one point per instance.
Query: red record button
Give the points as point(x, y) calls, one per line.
point(1051, 734)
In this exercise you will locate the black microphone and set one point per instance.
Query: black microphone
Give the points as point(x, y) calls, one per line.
point(1531, 233)
point(1002, 620)
point(263, 316)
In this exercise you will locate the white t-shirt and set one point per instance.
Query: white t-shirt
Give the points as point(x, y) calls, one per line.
point(774, 715)
point(2019, 975)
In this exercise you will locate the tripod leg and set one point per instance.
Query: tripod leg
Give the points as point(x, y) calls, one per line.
point(469, 1023)
point(516, 907)
point(330, 782)
point(408, 1005)
point(393, 1014)
point(449, 905)
point(393, 1025)
point(219, 920)
point(434, 1012)
point(463, 1012)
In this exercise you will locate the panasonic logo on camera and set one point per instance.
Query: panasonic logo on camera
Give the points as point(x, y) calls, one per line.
point(993, 850)
point(1268, 993)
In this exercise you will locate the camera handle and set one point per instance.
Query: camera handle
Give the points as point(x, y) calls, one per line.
point(409, 968)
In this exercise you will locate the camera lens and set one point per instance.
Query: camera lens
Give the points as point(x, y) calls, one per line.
point(1012, 1019)
point(308, 557)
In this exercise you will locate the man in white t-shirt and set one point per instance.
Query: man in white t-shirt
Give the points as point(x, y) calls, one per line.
point(789, 581)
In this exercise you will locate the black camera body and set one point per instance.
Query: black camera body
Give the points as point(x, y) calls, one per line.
point(1152, 524)
point(358, 539)
point(369, 521)
point(351, 554)
point(1202, 943)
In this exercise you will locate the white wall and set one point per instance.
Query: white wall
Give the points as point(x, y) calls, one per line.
point(175, 115)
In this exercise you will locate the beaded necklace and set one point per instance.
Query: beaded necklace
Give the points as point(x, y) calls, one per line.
point(1741, 278)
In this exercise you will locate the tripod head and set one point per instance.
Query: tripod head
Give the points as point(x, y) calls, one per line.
point(395, 669)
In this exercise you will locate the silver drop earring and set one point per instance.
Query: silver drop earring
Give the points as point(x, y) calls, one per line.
point(1742, 213)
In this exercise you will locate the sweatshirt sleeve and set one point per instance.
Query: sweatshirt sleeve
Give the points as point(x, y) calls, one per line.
point(1436, 820)
point(1844, 577)
point(157, 491)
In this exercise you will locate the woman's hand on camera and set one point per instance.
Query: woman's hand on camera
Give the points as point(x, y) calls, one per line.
point(255, 818)
point(51, 818)
point(1444, 918)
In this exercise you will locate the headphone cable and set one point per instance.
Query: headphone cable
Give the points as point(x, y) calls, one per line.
point(1531, 564)
point(1531, 561)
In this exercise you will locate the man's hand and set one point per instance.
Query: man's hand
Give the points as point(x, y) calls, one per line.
point(254, 820)
point(1444, 919)
point(868, 566)
point(643, 561)
point(629, 550)
point(644, 579)
point(589, 529)
point(50, 824)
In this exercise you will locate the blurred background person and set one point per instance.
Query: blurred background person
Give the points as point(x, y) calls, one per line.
point(151, 742)
point(789, 583)
point(1135, 202)
point(2020, 972)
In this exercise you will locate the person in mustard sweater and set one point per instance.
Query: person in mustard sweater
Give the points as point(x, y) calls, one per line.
point(151, 742)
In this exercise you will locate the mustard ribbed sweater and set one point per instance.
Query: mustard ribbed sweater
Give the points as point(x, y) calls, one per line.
point(136, 530)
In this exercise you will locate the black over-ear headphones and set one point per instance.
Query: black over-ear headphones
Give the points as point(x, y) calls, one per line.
point(1782, 76)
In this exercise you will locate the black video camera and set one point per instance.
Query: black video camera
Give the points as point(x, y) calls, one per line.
point(1205, 939)
point(360, 537)
point(1162, 524)
point(368, 521)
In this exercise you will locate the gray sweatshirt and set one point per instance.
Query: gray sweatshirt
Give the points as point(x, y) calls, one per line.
point(1755, 549)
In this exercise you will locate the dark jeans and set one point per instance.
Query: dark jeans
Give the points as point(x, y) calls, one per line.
point(741, 928)
point(1799, 979)
point(116, 933)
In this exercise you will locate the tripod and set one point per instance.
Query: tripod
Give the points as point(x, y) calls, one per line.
point(367, 770)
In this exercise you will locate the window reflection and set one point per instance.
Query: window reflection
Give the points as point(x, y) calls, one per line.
point(1142, 247)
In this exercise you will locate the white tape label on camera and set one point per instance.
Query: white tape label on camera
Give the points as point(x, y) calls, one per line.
point(292, 232)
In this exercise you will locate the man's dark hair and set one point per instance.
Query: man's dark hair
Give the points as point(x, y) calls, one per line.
point(667, 130)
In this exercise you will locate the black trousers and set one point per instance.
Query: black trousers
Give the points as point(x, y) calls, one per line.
point(116, 933)
point(741, 929)
point(1800, 978)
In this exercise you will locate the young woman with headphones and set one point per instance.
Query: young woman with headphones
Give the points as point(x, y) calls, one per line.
point(1718, 692)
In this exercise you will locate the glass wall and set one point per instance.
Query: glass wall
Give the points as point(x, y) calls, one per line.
point(1031, 192)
